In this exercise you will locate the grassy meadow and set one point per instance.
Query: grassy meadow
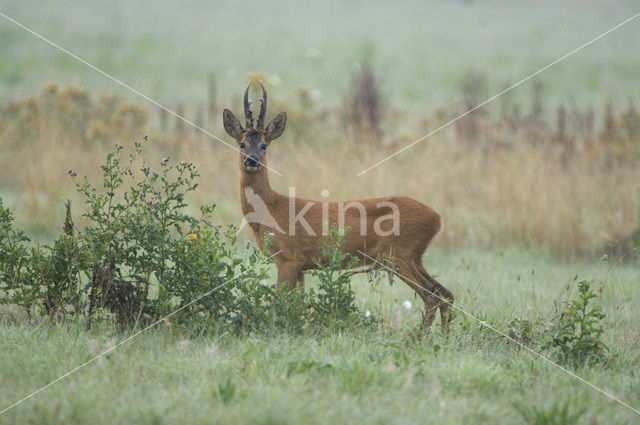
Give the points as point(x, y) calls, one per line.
point(391, 373)
point(538, 190)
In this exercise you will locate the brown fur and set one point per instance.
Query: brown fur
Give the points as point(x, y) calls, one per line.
point(418, 224)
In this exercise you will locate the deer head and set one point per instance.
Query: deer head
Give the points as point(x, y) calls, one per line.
point(253, 142)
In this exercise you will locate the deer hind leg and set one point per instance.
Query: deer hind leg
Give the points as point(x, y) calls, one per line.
point(412, 277)
point(444, 297)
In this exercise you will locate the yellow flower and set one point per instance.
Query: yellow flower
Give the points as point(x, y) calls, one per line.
point(192, 236)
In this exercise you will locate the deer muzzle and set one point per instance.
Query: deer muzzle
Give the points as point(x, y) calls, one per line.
point(252, 163)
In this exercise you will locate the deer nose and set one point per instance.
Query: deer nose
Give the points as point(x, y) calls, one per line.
point(252, 161)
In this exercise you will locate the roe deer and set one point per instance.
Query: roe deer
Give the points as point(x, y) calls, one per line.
point(395, 227)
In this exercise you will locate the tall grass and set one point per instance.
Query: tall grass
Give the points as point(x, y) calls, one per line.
point(528, 175)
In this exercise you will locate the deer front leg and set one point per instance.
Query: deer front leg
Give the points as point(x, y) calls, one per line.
point(291, 273)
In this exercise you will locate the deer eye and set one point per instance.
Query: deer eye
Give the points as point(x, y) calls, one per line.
point(263, 147)
point(241, 145)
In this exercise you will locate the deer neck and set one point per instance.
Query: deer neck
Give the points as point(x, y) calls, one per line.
point(254, 185)
point(258, 181)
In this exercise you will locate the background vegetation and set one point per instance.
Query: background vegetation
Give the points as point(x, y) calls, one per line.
point(538, 190)
point(567, 140)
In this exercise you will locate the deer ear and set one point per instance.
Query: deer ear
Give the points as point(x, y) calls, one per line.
point(276, 126)
point(232, 125)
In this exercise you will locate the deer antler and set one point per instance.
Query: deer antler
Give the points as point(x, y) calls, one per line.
point(263, 108)
point(247, 109)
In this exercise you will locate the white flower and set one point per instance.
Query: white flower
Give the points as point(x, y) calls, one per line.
point(407, 305)
point(367, 313)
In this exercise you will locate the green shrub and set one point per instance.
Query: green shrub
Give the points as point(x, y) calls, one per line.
point(576, 330)
point(149, 256)
point(57, 270)
point(45, 277)
point(209, 259)
point(16, 275)
point(290, 310)
point(333, 301)
point(141, 256)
